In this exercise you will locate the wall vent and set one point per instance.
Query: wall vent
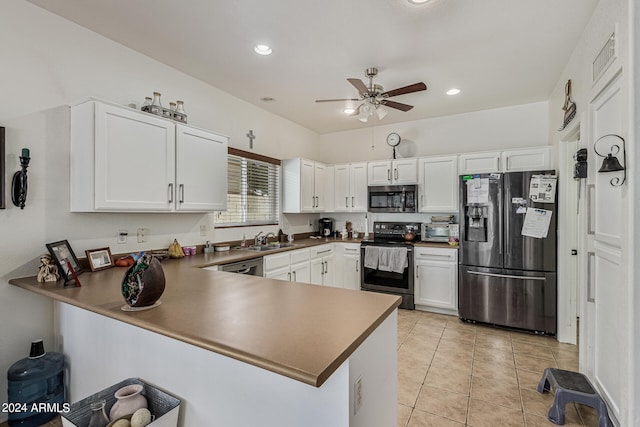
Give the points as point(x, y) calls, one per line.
point(605, 57)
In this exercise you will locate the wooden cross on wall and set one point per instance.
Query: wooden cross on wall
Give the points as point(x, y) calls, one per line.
point(251, 137)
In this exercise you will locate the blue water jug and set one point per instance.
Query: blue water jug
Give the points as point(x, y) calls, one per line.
point(36, 387)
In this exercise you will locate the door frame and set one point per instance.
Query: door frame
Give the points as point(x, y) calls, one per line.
point(568, 265)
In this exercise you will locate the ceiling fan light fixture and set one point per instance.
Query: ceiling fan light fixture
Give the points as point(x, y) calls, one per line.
point(349, 110)
point(453, 91)
point(364, 112)
point(262, 49)
point(381, 113)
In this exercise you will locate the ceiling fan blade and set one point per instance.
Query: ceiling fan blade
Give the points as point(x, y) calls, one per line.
point(416, 87)
point(359, 84)
point(396, 105)
point(343, 99)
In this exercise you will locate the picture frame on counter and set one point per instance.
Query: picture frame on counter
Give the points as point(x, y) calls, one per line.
point(63, 256)
point(99, 259)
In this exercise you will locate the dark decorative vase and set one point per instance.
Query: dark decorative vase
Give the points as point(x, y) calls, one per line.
point(143, 283)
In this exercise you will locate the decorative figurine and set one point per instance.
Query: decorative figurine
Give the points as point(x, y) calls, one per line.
point(48, 271)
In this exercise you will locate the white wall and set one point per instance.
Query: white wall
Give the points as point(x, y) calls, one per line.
point(495, 129)
point(49, 62)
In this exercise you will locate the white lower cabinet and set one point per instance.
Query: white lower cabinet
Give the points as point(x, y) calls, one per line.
point(348, 265)
point(436, 279)
point(292, 266)
point(323, 265)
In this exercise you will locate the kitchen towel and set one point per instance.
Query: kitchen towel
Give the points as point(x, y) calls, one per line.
point(371, 257)
point(393, 259)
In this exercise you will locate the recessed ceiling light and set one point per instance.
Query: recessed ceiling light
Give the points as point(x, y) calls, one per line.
point(267, 99)
point(262, 49)
point(453, 91)
point(349, 110)
point(418, 1)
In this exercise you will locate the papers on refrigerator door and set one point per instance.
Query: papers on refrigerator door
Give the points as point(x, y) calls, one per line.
point(536, 223)
point(478, 190)
point(542, 188)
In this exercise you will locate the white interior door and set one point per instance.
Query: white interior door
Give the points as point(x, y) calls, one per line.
point(608, 306)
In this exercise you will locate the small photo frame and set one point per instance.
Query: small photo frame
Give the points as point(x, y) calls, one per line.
point(62, 254)
point(99, 259)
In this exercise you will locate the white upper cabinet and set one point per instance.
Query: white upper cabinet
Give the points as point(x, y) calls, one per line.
point(526, 159)
point(438, 179)
point(479, 163)
point(305, 185)
point(124, 160)
point(391, 172)
point(522, 159)
point(350, 188)
point(195, 173)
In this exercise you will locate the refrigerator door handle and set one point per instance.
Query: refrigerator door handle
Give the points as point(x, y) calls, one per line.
point(509, 276)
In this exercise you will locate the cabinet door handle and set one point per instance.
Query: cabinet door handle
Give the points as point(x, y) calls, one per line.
point(395, 173)
point(346, 202)
point(506, 164)
point(289, 276)
point(357, 266)
point(352, 201)
point(170, 193)
point(389, 175)
point(295, 277)
point(417, 272)
point(181, 187)
point(326, 266)
point(322, 252)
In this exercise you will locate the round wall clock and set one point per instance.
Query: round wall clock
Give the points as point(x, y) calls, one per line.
point(393, 139)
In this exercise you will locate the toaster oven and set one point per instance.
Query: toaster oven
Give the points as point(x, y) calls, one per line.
point(435, 232)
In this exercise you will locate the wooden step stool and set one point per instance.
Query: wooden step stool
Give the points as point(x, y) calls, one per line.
point(569, 387)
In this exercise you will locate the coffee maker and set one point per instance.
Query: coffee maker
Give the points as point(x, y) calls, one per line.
point(326, 227)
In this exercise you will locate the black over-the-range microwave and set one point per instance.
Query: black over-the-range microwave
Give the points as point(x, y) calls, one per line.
point(393, 198)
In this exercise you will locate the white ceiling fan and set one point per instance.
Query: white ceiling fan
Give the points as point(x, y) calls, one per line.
point(373, 97)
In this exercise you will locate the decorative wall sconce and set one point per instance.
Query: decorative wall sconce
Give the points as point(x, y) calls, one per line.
point(19, 182)
point(611, 162)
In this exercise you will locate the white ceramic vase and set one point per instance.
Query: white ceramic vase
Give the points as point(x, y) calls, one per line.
point(128, 400)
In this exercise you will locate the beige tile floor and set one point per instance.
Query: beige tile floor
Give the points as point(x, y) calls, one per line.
point(451, 373)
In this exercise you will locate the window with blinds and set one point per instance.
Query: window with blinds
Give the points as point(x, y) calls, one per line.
point(253, 196)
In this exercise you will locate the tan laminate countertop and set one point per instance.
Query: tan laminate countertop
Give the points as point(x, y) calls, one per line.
point(234, 255)
point(301, 331)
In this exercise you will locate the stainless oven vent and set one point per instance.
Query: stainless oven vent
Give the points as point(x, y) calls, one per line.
point(605, 57)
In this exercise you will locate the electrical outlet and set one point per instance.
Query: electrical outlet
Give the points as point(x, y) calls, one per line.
point(142, 234)
point(357, 395)
point(122, 236)
point(203, 229)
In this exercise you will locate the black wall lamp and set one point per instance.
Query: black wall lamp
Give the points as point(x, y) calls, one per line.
point(19, 182)
point(611, 162)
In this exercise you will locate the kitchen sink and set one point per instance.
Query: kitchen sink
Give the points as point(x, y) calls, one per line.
point(269, 247)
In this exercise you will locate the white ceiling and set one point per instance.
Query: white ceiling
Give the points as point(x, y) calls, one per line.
point(499, 52)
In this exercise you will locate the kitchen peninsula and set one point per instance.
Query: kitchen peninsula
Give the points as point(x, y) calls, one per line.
point(238, 350)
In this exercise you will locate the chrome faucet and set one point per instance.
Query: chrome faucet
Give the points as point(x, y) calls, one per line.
point(266, 238)
point(258, 240)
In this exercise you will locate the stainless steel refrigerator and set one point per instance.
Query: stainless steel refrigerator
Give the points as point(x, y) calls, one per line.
point(505, 278)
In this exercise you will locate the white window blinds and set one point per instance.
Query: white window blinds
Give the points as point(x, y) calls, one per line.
point(253, 196)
